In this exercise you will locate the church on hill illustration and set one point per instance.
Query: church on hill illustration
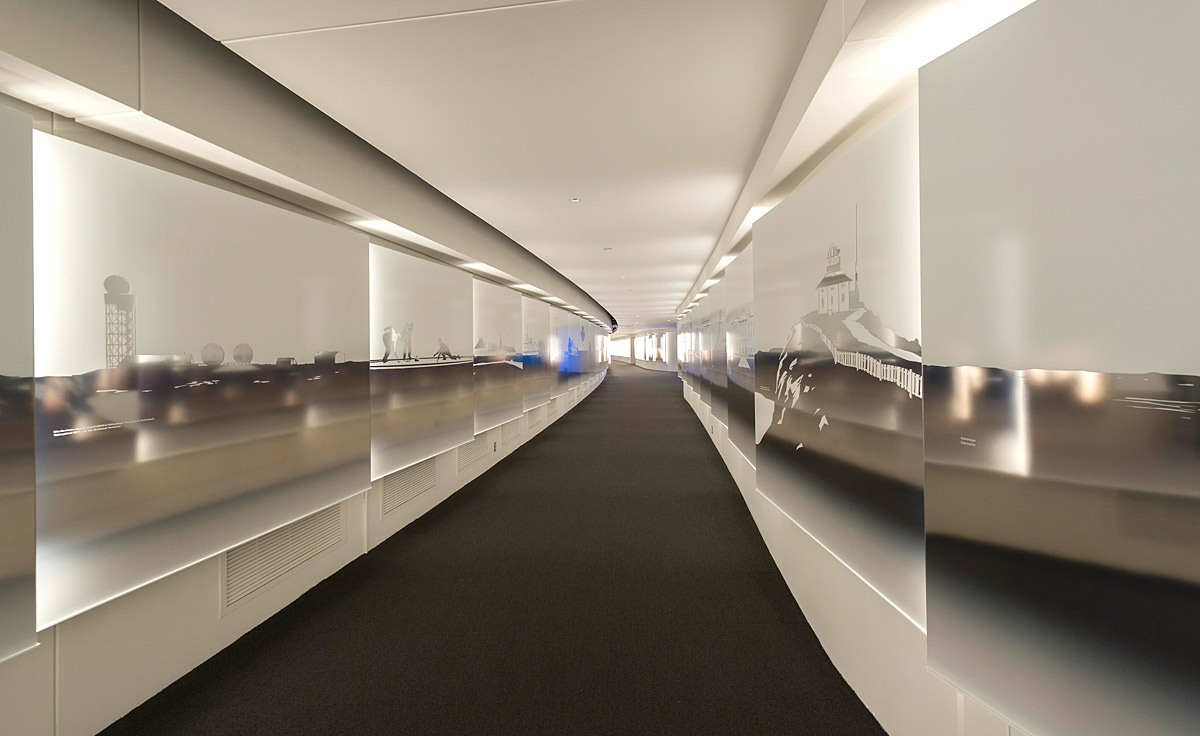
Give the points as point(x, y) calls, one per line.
point(837, 292)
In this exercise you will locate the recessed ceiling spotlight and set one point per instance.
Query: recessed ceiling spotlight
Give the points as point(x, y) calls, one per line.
point(608, 250)
point(629, 291)
point(574, 200)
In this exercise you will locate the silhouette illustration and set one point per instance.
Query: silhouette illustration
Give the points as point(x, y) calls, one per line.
point(212, 354)
point(406, 339)
point(120, 321)
point(389, 342)
point(243, 354)
point(443, 351)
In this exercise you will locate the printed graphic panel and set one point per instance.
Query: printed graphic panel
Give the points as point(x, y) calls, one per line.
point(702, 364)
point(499, 389)
point(572, 360)
point(1062, 410)
point(739, 351)
point(202, 372)
point(561, 331)
point(838, 368)
point(716, 368)
point(536, 349)
point(17, 518)
point(421, 364)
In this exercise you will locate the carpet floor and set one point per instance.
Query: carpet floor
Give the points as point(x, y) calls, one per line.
point(605, 578)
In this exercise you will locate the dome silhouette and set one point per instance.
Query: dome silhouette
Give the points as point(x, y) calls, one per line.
point(116, 284)
point(212, 354)
point(243, 353)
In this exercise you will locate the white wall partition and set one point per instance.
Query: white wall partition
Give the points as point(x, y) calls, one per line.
point(499, 393)
point(837, 318)
point(537, 347)
point(1058, 182)
point(17, 499)
point(422, 388)
point(739, 351)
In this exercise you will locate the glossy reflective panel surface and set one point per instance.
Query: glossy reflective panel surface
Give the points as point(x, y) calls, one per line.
point(837, 306)
point(716, 369)
point(739, 351)
point(422, 387)
point(499, 389)
point(203, 375)
point(536, 349)
point(1063, 513)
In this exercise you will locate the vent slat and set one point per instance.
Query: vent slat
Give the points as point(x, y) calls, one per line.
point(404, 485)
point(252, 566)
point(509, 431)
point(537, 418)
point(472, 452)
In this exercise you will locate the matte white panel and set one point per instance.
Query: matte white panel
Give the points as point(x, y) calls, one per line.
point(17, 520)
point(421, 365)
point(499, 393)
point(1059, 155)
point(216, 388)
point(1062, 410)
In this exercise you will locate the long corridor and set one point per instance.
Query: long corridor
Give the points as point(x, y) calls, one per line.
point(606, 578)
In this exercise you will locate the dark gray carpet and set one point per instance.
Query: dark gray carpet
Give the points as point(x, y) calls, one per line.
point(606, 578)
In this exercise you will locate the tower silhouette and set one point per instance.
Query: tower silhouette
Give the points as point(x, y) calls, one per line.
point(120, 321)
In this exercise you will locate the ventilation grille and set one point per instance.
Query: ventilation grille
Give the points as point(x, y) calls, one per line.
point(509, 432)
point(261, 561)
point(404, 485)
point(537, 418)
point(472, 452)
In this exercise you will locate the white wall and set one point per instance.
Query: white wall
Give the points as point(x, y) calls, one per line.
point(669, 365)
point(92, 669)
point(879, 650)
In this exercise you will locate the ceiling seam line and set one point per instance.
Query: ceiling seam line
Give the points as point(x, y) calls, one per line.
point(393, 21)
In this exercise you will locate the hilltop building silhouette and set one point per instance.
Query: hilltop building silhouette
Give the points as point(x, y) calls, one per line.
point(837, 292)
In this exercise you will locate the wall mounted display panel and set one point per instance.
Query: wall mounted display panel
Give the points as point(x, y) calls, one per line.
point(1059, 221)
point(421, 366)
point(537, 346)
point(572, 360)
point(587, 367)
point(561, 333)
point(837, 319)
point(739, 351)
point(702, 358)
point(202, 371)
point(17, 517)
point(499, 389)
point(717, 369)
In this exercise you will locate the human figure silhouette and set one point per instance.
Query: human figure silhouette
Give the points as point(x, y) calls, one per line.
point(443, 351)
point(389, 343)
point(406, 339)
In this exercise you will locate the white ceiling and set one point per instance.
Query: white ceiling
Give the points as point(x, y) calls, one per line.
point(652, 112)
